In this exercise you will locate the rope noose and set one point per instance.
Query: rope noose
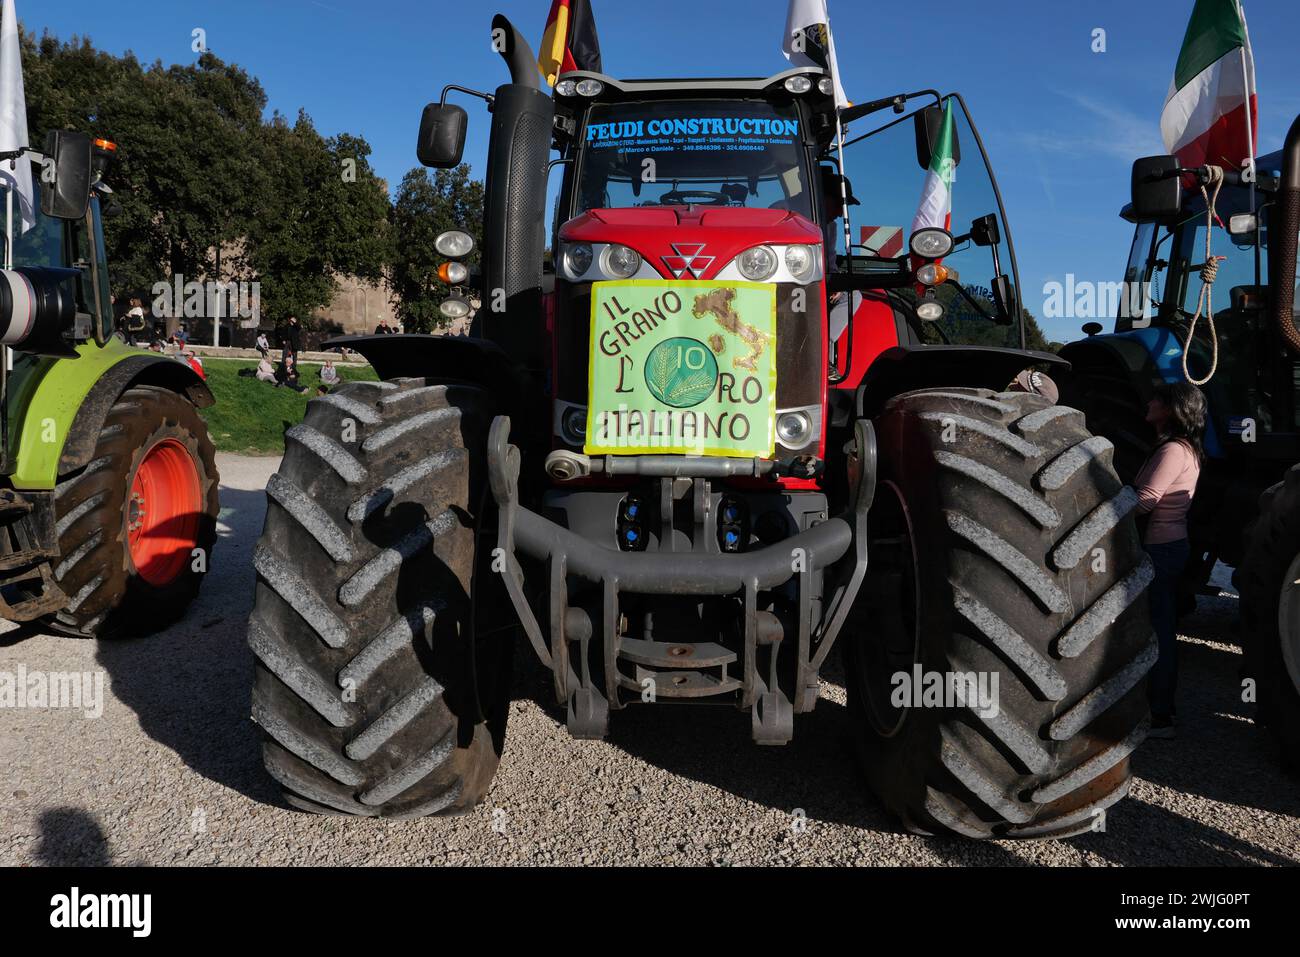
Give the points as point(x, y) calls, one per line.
point(1209, 272)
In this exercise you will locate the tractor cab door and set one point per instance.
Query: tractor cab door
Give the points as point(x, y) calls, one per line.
point(887, 160)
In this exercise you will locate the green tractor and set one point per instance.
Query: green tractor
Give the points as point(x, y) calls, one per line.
point(1246, 513)
point(108, 480)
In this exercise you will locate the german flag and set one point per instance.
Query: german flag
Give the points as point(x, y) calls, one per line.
point(569, 41)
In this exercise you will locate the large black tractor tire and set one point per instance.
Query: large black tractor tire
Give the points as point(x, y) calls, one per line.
point(375, 696)
point(153, 444)
point(1001, 544)
point(1270, 611)
point(1113, 409)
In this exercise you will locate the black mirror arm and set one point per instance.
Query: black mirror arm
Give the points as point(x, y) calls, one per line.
point(487, 97)
point(897, 102)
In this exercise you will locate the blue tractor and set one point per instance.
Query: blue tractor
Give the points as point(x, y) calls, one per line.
point(1246, 513)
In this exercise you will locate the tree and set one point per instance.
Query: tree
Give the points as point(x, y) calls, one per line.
point(199, 172)
point(324, 215)
point(426, 205)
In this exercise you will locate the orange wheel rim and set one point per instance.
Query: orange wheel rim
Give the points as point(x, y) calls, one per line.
point(162, 513)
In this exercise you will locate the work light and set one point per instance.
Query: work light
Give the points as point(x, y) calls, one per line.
point(454, 244)
point(931, 242)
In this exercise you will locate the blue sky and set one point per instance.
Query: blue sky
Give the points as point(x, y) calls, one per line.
point(1062, 124)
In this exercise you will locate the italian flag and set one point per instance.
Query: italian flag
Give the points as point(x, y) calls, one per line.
point(936, 193)
point(1210, 113)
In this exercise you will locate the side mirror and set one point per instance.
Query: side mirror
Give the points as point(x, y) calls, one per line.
point(442, 135)
point(929, 123)
point(1157, 189)
point(984, 231)
point(69, 195)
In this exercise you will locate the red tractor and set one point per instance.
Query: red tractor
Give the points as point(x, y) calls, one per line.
point(714, 441)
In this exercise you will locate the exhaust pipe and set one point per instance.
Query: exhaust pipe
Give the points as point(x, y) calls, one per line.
point(1282, 257)
point(514, 49)
point(514, 213)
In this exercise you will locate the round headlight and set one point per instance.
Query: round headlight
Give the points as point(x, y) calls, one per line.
point(454, 243)
point(566, 88)
point(826, 85)
point(574, 425)
point(454, 308)
point(589, 87)
point(620, 262)
point(577, 259)
point(798, 84)
point(931, 242)
point(757, 264)
point(794, 429)
point(799, 260)
point(931, 310)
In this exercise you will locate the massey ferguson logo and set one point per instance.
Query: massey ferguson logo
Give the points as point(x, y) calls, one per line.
point(688, 258)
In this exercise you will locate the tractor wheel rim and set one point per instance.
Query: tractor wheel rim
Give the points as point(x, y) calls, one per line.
point(1288, 621)
point(162, 513)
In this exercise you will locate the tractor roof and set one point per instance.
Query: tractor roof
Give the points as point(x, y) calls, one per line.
point(644, 89)
point(1233, 199)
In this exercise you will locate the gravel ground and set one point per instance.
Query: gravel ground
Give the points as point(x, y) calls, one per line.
point(170, 773)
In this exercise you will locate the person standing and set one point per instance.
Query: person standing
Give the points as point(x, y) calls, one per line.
point(293, 336)
point(137, 326)
point(1165, 488)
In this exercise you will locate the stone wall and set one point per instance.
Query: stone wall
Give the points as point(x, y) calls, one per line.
point(357, 307)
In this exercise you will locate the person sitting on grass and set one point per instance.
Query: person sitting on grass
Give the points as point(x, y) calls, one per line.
point(287, 374)
point(265, 371)
point(328, 374)
point(194, 362)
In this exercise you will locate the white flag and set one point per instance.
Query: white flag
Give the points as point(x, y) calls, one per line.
point(808, 41)
point(13, 119)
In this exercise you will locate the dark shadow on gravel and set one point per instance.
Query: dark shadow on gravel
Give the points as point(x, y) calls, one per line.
point(1221, 752)
point(71, 837)
point(817, 771)
point(25, 630)
point(190, 685)
point(1221, 756)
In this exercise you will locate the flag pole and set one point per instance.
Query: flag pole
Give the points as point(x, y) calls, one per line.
point(1250, 135)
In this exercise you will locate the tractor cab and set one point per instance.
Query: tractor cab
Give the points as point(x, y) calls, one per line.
point(696, 181)
point(1254, 386)
point(1254, 389)
point(1244, 355)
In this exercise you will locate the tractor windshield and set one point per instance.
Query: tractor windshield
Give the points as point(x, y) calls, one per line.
point(700, 152)
point(889, 176)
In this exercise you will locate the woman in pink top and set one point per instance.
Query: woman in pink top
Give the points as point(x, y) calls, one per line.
point(1165, 487)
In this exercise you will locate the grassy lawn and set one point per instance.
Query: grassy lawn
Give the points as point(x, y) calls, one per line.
point(250, 416)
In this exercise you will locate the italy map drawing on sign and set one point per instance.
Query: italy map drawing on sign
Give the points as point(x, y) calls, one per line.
point(682, 367)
